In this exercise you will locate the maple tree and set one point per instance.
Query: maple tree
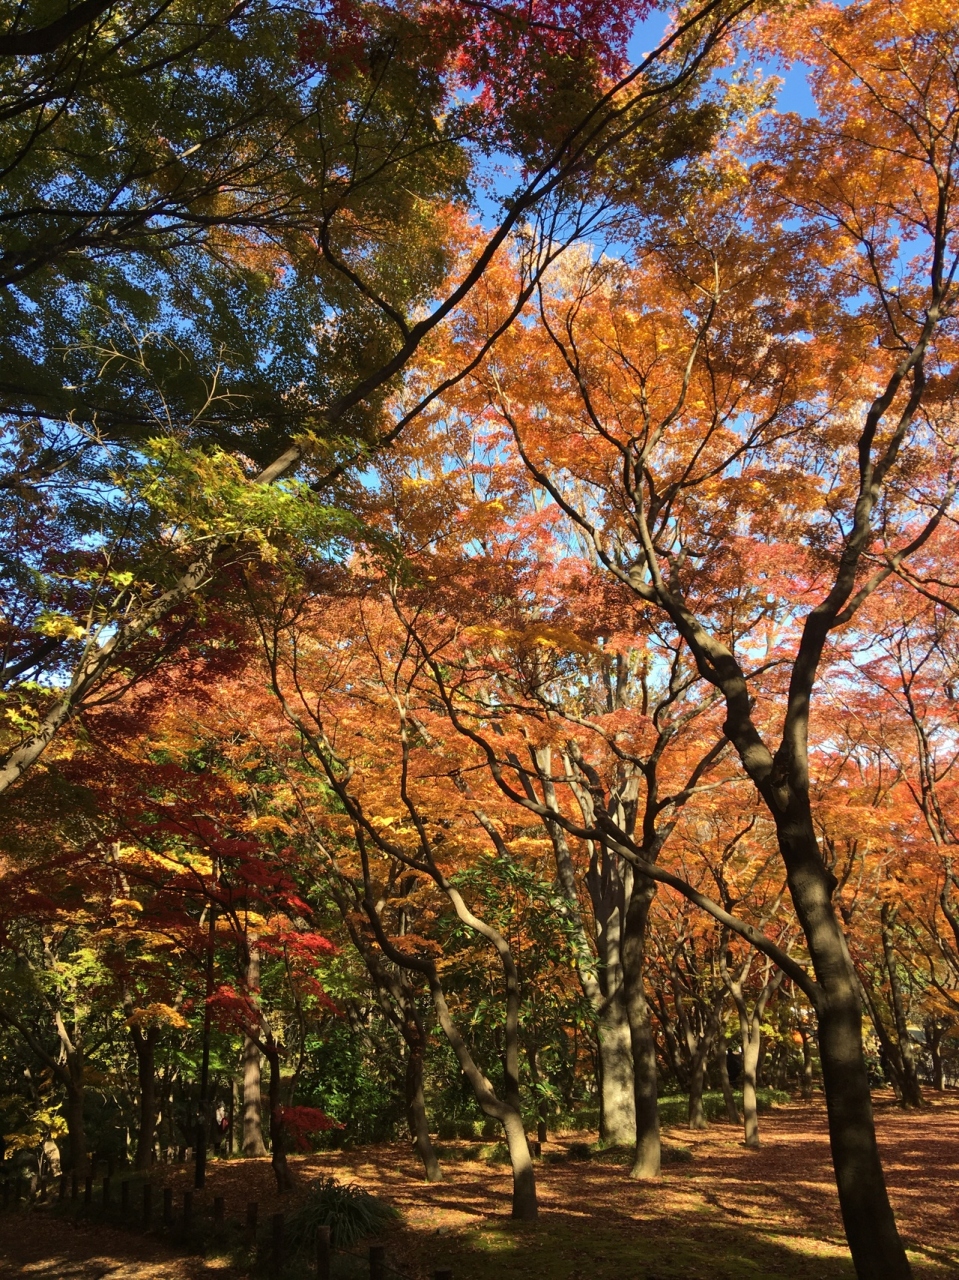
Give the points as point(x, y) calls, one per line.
point(750, 454)
point(372, 137)
point(574, 714)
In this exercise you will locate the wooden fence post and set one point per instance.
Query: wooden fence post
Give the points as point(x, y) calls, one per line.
point(147, 1203)
point(323, 1252)
point(377, 1262)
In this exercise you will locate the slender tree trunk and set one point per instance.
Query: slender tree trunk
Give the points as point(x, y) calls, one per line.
point(729, 1098)
point(648, 1158)
point(870, 1225)
point(253, 1144)
point(934, 1035)
point(203, 1101)
point(281, 1169)
point(144, 1045)
point(911, 1093)
point(807, 1075)
point(751, 1039)
point(416, 1104)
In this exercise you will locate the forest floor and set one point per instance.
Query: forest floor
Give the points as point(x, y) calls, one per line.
point(721, 1212)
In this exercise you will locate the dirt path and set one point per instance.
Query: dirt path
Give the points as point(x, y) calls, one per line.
point(724, 1213)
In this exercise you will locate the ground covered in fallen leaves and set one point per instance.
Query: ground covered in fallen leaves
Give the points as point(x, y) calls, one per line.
point(719, 1212)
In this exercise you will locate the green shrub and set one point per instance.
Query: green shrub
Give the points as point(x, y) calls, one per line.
point(496, 1153)
point(579, 1151)
point(674, 1109)
point(350, 1212)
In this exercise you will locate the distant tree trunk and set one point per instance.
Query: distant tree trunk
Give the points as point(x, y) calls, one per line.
point(281, 1170)
point(601, 975)
point(144, 1046)
point(253, 1144)
point(648, 1158)
point(729, 1098)
point(911, 1093)
point(934, 1034)
point(697, 1081)
point(807, 1072)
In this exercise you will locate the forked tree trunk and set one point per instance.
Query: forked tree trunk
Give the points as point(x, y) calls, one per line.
point(647, 1162)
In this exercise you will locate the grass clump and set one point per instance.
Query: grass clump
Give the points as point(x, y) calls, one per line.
point(351, 1213)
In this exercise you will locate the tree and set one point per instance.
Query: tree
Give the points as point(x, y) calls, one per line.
point(698, 406)
point(370, 77)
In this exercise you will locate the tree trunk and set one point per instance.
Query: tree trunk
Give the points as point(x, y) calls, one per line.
point(416, 1104)
point(751, 1038)
point(281, 1169)
point(144, 1045)
point(76, 1133)
point(617, 1101)
point(697, 1080)
point(647, 1162)
point(934, 1035)
point(911, 1093)
point(870, 1225)
point(525, 1205)
point(807, 1076)
point(253, 1144)
point(729, 1098)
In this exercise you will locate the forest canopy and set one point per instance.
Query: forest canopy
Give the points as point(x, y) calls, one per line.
point(479, 602)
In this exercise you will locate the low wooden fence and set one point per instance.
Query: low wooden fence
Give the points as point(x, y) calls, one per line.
point(121, 1195)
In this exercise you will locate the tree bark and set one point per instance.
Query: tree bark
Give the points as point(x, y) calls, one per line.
point(870, 1225)
point(729, 1098)
point(648, 1158)
point(144, 1045)
point(697, 1081)
point(807, 1074)
point(281, 1169)
point(253, 1144)
point(76, 1132)
point(416, 1104)
point(911, 1093)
